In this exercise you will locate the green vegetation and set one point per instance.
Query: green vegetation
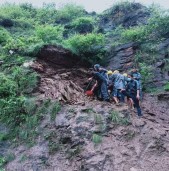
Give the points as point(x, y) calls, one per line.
point(89, 47)
point(166, 87)
point(55, 108)
point(149, 36)
point(117, 119)
point(97, 139)
point(23, 31)
point(2, 162)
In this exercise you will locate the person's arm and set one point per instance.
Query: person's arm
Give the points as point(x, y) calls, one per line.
point(138, 90)
point(94, 86)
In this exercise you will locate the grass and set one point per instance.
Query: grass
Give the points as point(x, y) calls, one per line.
point(71, 153)
point(166, 87)
point(3, 136)
point(116, 119)
point(97, 139)
point(53, 147)
point(55, 108)
point(98, 119)
point(2, 163)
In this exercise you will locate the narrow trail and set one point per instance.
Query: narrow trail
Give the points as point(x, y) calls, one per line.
point(69, 141)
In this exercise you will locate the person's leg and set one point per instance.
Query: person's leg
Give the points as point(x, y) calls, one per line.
point(114, 94)
point(136, 105)
point(104, 91)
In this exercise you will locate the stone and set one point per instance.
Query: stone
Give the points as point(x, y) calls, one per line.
point(61, 121)
point(133, 169)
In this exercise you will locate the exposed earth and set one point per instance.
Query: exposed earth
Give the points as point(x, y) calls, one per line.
point(90, 135)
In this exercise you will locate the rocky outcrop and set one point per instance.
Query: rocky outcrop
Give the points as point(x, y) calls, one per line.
point(122, 57)
point(127, 15)
point(161, 70)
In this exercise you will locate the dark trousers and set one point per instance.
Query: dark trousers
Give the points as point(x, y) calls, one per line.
point(101, 91)
point(104, 91)
point(135, 100)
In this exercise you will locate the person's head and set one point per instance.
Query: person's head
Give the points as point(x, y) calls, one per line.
point(125, 74)
point(130, 76)
point(134, 70)
point(96, 67)
point(109, 73)
point(116, 72)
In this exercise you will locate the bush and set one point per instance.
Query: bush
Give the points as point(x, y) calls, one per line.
point(20, 81)
point(146, 72)
point(13, 11)
point(136, 34)
point(69, 12)
point(89, 47)
point(46, 15)
point(14, 86)
point(8, 86)
point(25, 24)
point(166, 87)
point(83, 24)
point(50, 34)
point(4, 35)
point(25, 79)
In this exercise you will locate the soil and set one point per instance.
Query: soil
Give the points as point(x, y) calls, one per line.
point(87, 136)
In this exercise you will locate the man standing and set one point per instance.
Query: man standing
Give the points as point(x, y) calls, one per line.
point(137, 76)
point(100, 75)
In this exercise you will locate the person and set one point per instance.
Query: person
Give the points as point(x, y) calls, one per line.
point(137, 76)
point(133, 93)
point(101, 86)
point(119, 85)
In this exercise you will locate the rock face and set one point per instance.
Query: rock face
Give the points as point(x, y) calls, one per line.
point(161, 72)
point(122, 57)
point(128, 16)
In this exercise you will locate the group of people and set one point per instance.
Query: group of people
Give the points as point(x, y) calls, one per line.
point(120, 87)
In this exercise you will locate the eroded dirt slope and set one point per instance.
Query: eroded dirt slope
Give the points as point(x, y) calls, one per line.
point(90, 135)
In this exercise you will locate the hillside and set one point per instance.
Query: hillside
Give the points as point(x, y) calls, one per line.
point(46, 121)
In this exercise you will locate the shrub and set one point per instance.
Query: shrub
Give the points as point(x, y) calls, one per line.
point(146, 72)
point(50, 34)
point(89, 47)
point(166, 87)
point(83, 24)
point(4, 35)
point(25, 24)
point(25, 79)
point(8, 86)
point(97, 139)
point(69, 12)
point(116, 119)
point(46, 15)
point(134, 34)
point(17, 44)
point(13, 11)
